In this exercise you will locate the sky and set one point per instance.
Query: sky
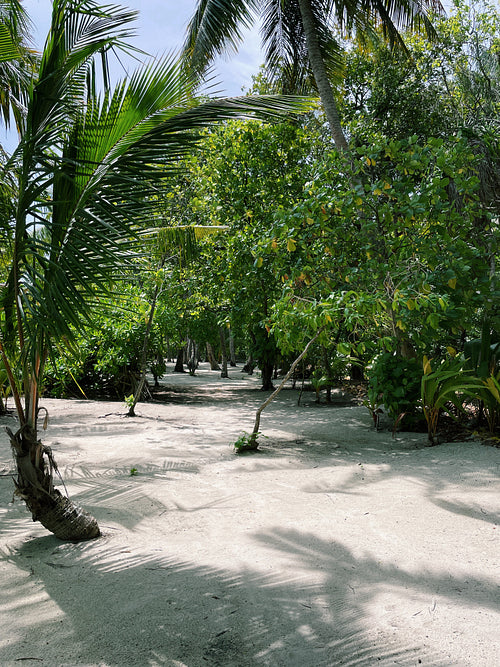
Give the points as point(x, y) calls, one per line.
point(160, 29)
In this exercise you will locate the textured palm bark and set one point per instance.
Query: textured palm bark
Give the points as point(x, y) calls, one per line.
point(35, 485)
point(321, 76)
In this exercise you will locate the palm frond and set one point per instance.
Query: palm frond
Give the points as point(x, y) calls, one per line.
point(286, 50)
point(217, 27)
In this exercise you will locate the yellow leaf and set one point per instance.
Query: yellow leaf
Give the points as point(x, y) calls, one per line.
point(368, 161)
point(400, 325)
point(369, 255)
point(359, 201)
point(451, 351)
point(310, 221)
point(377, 191)
point(259, 262)
point(442, 303)
point(491, 386)
point(387, 186)
point(411, 304)
point(347, 279)
point(427, 365)
point(291, 245)
point(328, 318)
point(274, 244)
point(327, 250)
point(452, 282)
point(374, 162)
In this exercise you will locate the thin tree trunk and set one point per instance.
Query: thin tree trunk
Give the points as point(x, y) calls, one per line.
point(253, 444)
point(232, 354)
point(144, 353)
point(214, 366)
point(192, 354)
point(321, 76)
point(329, 375)
point(223, 349)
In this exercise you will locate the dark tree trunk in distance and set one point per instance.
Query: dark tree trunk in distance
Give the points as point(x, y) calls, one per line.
point(179, 364)
point(192, 353)
point(267, 369)
point(214, 366)
point(249, 365)
point(232, 353)
point(223, 349)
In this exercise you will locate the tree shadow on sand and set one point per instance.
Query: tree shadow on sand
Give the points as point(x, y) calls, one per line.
point(118, 608)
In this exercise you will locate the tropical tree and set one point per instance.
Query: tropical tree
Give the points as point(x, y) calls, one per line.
point(86, 171)
point(17, 61)
point(299, 37)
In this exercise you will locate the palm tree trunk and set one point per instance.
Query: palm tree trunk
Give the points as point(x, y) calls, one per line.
point(321, 76)
point(35, 485)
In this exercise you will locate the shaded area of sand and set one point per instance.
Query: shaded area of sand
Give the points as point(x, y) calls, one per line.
point(335, 545)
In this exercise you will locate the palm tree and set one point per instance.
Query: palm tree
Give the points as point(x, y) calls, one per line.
point(299, 36)
point(86, 172)
point(17, 61)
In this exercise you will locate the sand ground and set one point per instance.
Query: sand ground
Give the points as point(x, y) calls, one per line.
point(334, 545)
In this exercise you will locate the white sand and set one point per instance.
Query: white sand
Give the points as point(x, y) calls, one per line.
point(335, 545)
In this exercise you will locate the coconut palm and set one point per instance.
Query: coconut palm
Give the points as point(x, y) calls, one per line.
point(299, 36)
point(17, 61)
point(87, 170)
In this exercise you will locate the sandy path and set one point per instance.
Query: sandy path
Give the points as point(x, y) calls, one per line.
point(335, 545)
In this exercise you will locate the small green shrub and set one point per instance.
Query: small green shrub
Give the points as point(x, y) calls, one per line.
point(247, 442)
point(446, 383)
point(394, 382)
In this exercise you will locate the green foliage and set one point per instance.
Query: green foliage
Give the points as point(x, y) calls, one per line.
point(448, 383)
point(247, 442)
point(490, 396)
point(394, 382)
point(107, 362)
point(397, 255)
point(129, 400)
point(87, 169)
point(4, 388)
point(438, 87)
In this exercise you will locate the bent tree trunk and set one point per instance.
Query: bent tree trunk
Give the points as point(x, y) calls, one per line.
point(253, 439)
point(35, 485)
